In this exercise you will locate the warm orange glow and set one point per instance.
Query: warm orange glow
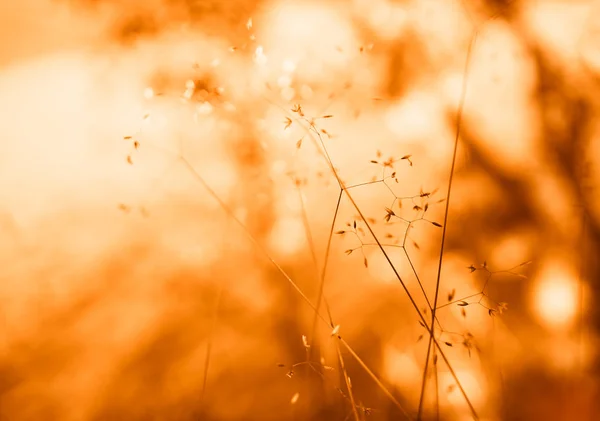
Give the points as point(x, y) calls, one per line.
point(310, 34)
point(474, 386)
point(401, 368)
point(183, 181)
point(556, 297)
point(385, 17)
point(288, 236)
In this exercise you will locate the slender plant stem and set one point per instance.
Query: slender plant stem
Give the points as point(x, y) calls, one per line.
point(209, 344)
point(293, 284)
point(325, 264)
point(459, 115)
point(347, 380)
point(437, 388)
point(429, 328)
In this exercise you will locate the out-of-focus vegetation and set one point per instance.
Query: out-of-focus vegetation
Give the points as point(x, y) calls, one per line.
point(176, 244)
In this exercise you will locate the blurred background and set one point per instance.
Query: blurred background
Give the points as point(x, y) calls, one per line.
point(157, 157)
